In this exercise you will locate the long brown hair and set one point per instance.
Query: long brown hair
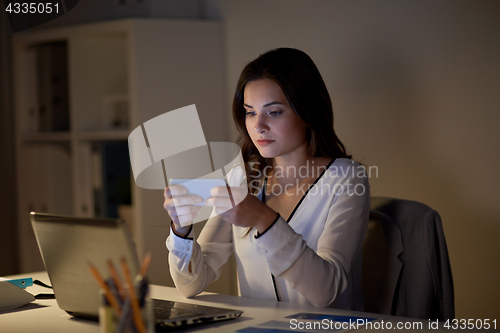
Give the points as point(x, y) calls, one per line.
point(306, 93)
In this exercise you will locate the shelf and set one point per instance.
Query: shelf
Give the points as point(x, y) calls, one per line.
point(116, 75)
point(65, 137)
point(103, 135)
point(48, 137)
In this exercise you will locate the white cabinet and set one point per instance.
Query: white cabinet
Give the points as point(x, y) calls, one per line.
point(119, 74)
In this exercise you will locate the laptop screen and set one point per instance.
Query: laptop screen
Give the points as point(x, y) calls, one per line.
point(68, 244)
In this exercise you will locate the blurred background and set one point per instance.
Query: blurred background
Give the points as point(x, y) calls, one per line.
point(415, 89)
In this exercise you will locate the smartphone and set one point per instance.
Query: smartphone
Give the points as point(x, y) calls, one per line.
point(201, 187)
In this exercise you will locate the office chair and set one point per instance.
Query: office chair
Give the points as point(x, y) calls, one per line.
point(406, 269)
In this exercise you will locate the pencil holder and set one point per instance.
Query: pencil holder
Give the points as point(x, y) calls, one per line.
point(107, 317)
point(129, 320)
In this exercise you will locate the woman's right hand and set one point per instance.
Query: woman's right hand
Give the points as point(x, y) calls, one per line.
point(181, 207)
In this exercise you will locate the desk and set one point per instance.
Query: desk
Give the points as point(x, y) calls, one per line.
point(45, 316)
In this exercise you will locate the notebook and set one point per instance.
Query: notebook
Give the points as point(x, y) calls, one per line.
point(67, 244)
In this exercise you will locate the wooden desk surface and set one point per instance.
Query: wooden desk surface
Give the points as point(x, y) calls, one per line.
point(45, 315)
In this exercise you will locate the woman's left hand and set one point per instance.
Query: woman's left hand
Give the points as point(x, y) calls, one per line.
point(250, 212)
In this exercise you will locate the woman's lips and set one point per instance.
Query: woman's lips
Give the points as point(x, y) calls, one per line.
point(264, 142)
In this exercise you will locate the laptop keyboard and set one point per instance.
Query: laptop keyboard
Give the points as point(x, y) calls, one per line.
point(162, 313)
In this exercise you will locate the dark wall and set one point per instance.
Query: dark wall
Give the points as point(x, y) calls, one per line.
point(9, 263)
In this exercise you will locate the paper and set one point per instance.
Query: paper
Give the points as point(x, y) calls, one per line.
point(335, 318)
point(310, 322)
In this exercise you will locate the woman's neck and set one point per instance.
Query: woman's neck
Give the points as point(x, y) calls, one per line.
point(298, 166)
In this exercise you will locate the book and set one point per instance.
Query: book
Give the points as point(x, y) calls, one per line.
point(12, 293)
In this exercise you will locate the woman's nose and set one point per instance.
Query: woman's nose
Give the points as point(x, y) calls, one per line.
point(261, 125)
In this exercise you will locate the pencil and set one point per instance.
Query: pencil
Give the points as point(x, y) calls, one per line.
point(111, 299)
point(145, 264)
point(116, 278)
point(139, 323)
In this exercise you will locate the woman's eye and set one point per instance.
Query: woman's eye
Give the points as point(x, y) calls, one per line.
point(250, 113)
point(275, 113)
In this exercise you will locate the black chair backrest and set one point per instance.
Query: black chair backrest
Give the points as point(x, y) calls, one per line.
point(406, 268)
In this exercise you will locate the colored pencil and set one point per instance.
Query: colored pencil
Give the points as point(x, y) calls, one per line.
point(139, 323)
point(145, 264)
point(116, 278)
point(109, 296)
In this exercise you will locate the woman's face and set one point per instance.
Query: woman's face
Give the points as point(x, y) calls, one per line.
point(273, 126)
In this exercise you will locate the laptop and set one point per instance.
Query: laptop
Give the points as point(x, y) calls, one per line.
point(67, 244)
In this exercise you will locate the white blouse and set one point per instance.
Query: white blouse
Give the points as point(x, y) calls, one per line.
point(315, 257)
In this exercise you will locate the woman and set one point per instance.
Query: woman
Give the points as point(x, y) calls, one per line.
point(298, 236)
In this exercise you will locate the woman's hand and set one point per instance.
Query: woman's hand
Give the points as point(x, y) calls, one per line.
point(181, 207)
point(250, 212)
